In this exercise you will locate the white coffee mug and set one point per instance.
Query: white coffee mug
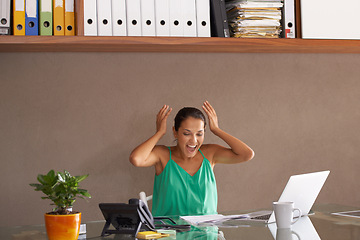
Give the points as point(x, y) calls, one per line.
point(284, 212)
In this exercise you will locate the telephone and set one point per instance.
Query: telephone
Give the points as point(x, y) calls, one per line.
point(130, 218)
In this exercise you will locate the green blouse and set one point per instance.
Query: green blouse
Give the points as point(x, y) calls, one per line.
point(178, 193)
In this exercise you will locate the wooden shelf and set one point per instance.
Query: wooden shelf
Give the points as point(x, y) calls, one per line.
point(173, 44)
point(82, 43)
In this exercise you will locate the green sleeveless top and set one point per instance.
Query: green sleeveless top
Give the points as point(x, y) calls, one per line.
point(178, 193)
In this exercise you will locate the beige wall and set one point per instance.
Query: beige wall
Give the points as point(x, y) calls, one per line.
point(85, 112)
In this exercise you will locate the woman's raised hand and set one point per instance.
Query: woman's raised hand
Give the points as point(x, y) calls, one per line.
point(210, 112)
point(161, 119)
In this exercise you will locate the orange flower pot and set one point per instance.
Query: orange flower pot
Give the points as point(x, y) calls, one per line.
point(63, 227)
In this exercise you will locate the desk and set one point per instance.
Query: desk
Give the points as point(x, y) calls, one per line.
point(323, 226)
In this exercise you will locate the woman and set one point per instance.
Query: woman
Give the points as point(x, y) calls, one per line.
point(184, 178)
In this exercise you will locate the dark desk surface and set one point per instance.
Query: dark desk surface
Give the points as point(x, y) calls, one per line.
point(321, 225)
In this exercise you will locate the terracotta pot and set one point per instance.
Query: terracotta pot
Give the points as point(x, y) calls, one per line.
point(63, 227)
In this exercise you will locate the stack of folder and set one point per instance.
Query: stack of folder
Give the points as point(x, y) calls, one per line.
point(181, 18)
point(254, 18)
point(37, 17)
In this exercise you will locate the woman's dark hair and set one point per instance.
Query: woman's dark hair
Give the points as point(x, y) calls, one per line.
point(186, 112)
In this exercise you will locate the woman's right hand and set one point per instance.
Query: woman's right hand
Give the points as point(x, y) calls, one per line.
point(161, 119)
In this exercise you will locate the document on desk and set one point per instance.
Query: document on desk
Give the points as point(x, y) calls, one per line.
point(212, 219)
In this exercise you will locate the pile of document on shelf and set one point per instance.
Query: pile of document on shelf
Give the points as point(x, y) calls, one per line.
point(180, 18)
point(254, 18)
point(37, 17)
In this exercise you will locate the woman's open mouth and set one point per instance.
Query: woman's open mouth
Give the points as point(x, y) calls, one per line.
point(191, 148)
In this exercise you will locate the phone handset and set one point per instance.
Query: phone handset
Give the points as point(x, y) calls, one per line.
point(147, 219)
point(145, 215)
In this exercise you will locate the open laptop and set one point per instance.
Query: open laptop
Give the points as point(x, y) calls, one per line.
point(301, 189)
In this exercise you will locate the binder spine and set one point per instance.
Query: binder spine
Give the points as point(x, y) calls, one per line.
point(289, 19)
point(147, 17)
point(104, 17)
point(203, 18)
point(176, 18)
point(5, 17)
point(59, 17)
point(19, 17)
point(189, 18)
point(162, 18)
point(133, 14)
point(45, 17)
point(118, 14)
point(90, 18)
point(69, 26)
point(31, 17)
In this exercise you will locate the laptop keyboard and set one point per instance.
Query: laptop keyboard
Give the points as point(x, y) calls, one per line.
point(262, 217)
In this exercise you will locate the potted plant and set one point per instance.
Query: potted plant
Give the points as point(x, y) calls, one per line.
point(62, 189)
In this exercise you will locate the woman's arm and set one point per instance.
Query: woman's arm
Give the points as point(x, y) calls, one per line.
point(145, 155)
point(238, 152)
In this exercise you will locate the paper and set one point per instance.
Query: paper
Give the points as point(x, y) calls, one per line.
point(215, 218)
point(254, 18)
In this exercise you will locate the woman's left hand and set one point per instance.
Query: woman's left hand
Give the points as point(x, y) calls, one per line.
point(210, 112)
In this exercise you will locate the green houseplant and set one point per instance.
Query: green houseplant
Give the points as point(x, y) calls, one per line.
point(62, 189)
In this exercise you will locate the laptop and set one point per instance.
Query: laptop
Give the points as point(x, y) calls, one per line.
point(301, 189)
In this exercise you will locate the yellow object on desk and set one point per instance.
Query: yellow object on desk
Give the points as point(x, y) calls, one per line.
point(151, 235)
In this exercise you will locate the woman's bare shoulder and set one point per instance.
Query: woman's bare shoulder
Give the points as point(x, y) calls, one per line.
point(209, 149)
point(162, 152)
point(161, 149)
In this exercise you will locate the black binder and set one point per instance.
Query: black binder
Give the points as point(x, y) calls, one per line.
point(218, 19)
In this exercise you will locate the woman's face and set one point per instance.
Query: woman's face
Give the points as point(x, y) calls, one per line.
point(190, 136)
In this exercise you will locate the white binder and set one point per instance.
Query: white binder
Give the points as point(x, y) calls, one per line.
point(203, 18)
point(189, 18)
point(118, 13)
point(176, 18)
point(162, 18)
point(104, 18)
point(133, 16)
point(4, 17)
point(148, 17)
point(289, 18)
point(90, 19)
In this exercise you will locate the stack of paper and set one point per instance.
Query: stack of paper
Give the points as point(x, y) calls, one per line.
point(254, 18)
point(211, 219)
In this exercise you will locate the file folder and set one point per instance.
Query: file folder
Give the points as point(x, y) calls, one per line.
point(19, 17)
point(176, 18)
point(189, 17)
point(4, 17)
point(218, 19)
point(133, 15)
point(162, 18)
point(58, 17)
point(45, 16)
point(118, 14)
point(90, 19)
point(147, 17)
point(203, 18)
point(289, 19)
point(69, 18)
point(104, 17)
point(31, 17)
